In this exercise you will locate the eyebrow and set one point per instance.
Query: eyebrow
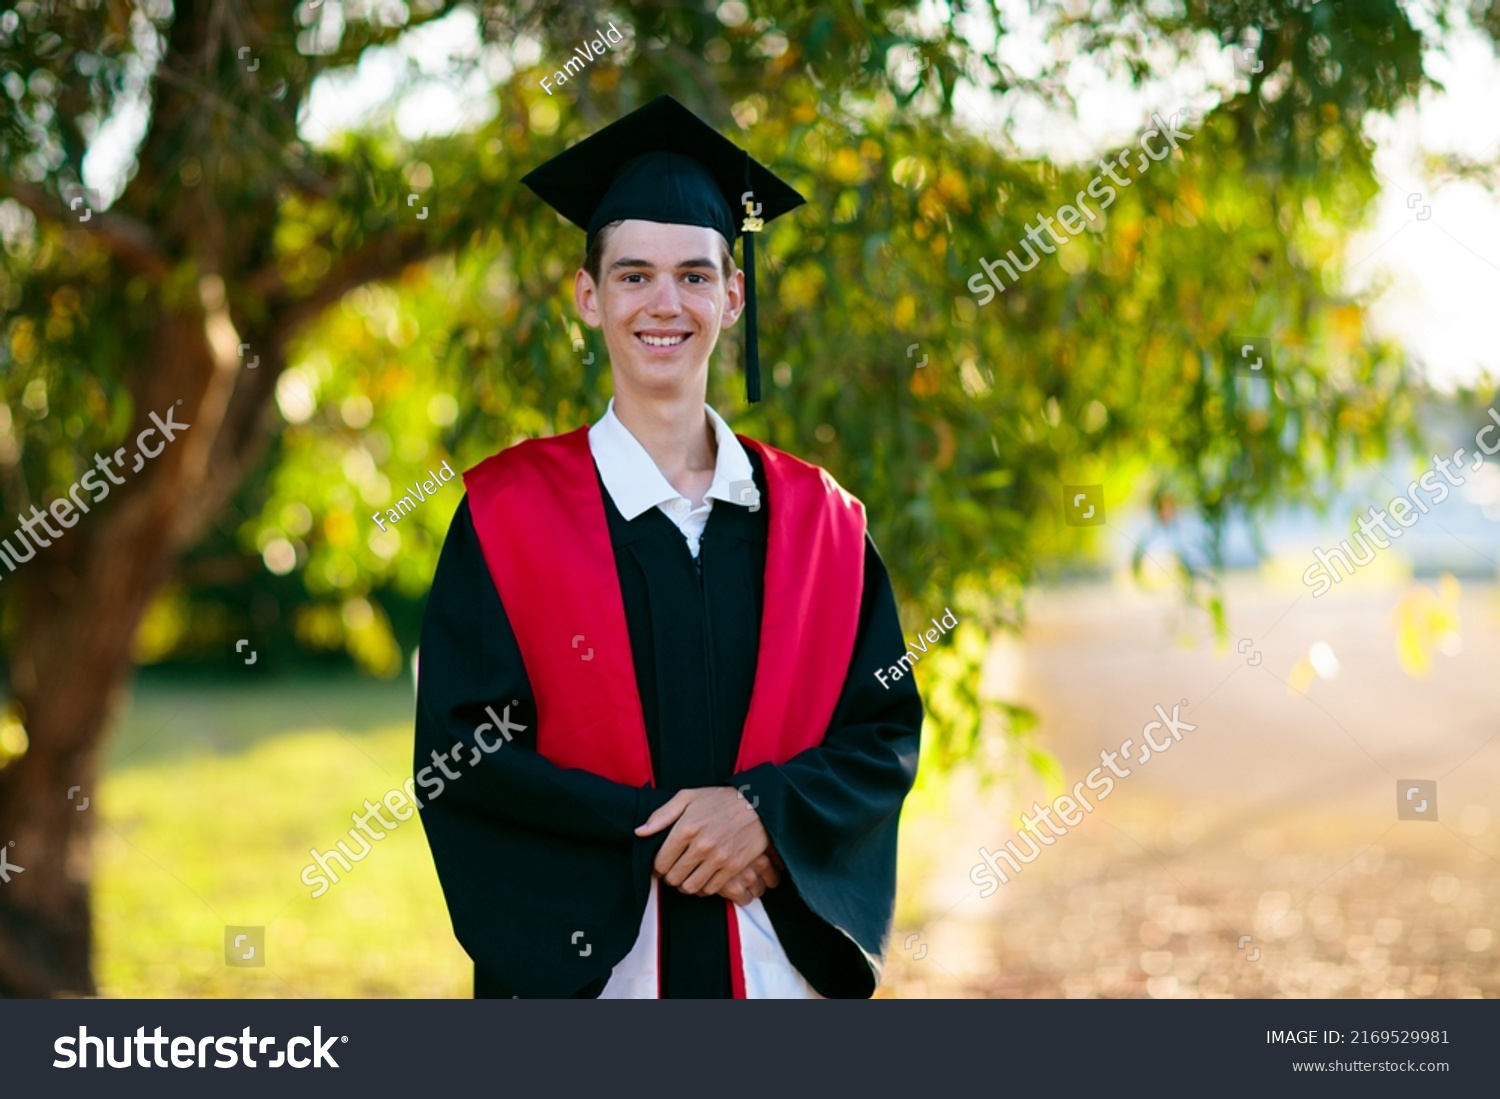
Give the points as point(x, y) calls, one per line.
point(631, 261)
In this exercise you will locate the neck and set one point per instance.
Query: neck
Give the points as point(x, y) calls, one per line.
point(675, 431)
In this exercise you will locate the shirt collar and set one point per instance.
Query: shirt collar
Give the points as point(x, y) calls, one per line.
point(636, 485)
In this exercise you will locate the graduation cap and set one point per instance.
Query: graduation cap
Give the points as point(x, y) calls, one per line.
point(663, 163)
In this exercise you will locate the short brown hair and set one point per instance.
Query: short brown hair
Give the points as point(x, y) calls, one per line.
point(595, 257)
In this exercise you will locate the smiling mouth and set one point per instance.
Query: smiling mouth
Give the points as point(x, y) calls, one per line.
point(661, 341)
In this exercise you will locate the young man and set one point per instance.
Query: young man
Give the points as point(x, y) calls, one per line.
point(675, 631)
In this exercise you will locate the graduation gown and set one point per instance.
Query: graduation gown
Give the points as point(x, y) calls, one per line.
point(544, 877)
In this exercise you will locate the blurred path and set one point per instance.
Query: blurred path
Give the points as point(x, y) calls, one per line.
point(1276, 818)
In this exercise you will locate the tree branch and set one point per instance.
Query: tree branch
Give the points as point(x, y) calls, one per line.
point(131, 241)
point(379, 258)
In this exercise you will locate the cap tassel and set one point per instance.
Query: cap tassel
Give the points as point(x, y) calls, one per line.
point(749, 227)
point(752, 351)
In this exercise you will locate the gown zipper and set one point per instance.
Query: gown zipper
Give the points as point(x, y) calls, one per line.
point(708, 662)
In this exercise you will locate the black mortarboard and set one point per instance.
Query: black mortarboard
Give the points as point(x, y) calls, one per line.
point(663, 163)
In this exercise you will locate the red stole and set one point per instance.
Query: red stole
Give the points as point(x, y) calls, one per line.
point(539, 513)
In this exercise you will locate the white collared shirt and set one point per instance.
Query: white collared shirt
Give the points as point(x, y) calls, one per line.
point(636, 485)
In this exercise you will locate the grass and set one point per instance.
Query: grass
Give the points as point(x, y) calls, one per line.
point(212, 797)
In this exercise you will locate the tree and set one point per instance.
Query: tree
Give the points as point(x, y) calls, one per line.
point(235, 240)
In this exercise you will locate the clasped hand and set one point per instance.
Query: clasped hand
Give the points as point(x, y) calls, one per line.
point(717, 846)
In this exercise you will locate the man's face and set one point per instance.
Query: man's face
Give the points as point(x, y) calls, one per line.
point(661, 302)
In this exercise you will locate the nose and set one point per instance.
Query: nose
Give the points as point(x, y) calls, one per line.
point(666, 298)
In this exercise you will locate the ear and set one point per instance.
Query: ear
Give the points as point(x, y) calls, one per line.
point(586, 298)
point(734, 300)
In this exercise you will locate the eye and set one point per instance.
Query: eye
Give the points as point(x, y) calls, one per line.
point(632, 275)
point(696, 275)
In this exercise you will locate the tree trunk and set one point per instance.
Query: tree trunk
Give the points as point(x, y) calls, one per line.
point(81, 602)
point(70, 663)
point(82, 598)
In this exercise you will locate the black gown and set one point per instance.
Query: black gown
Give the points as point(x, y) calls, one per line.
point(514, 818)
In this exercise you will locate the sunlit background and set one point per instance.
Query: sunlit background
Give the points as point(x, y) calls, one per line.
point(1262, 855)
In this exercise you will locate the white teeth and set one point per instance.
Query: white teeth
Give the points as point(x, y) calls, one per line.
point(657, 341)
